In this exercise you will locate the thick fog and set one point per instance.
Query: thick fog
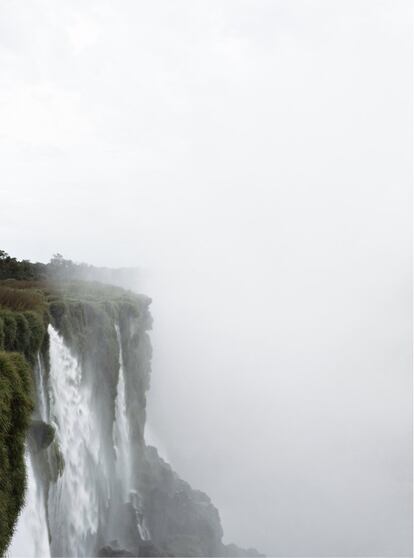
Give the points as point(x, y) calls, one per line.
point(253, 158)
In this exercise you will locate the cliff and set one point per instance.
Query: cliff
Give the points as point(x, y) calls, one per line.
point(75, 366)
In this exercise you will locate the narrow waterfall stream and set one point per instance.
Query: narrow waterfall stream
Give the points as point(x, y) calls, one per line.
point(121, 439)
point(122, 446)
point(41, 393)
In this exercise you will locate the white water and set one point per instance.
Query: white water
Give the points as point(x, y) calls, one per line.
point(30, 539)
point(73, 500)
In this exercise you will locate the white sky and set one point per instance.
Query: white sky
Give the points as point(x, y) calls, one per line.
point(254, 159)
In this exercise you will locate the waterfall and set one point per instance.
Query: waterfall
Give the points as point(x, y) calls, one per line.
point(40, 389)
point(30, 539)
point(121, 439)
point(73, 499)
point(122, 446)
point(94, 494)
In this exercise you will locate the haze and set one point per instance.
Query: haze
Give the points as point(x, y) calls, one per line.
point(253, 158)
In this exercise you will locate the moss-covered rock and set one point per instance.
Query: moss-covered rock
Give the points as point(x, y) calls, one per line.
point(41, 435)
point(56, 461)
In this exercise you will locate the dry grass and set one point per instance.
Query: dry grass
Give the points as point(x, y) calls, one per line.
point(20, 300)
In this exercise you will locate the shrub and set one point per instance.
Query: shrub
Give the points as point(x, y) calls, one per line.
point(21, 299)
point(1, 334)
point(37, 329)
point(9, 329)
point(22, 340)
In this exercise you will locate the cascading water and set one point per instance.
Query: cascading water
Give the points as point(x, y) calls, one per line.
point(122, 446)
point(121, 439)
point(30, 539)
point(73, 499)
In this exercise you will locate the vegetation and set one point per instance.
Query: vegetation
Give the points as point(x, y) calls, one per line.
point(61, 269)
point(58, 268)
point(23, 319)
point(16, 406)
point(15, 269)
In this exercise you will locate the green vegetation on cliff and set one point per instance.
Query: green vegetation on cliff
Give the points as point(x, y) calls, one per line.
point(22, 333)
point(16, 405)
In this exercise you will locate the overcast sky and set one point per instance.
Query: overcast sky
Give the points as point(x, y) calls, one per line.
point(254, 159)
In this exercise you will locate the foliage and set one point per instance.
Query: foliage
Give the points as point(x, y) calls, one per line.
point(61, 269)
point(16, 406)
point(21, 299)
point(22, 335)
point(21, 332)
point(23, 269)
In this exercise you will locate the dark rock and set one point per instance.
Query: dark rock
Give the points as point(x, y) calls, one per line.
point(109, 552)
point(182, 521)
point(150, 550)
point(41, 435)
point(234, 551)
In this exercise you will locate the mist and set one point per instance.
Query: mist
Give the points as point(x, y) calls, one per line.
point(253, 160)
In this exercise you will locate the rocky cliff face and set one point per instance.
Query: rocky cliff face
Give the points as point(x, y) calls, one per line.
point(99, 488)
point(184, 522)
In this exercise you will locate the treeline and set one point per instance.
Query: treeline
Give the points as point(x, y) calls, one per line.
point(62, 269)
point(11, 268)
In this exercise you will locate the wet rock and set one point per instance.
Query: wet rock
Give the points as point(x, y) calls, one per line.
point(182, 521)
point(150, 550)
point(234, 551)
point(109, 552)
point(41, 435)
